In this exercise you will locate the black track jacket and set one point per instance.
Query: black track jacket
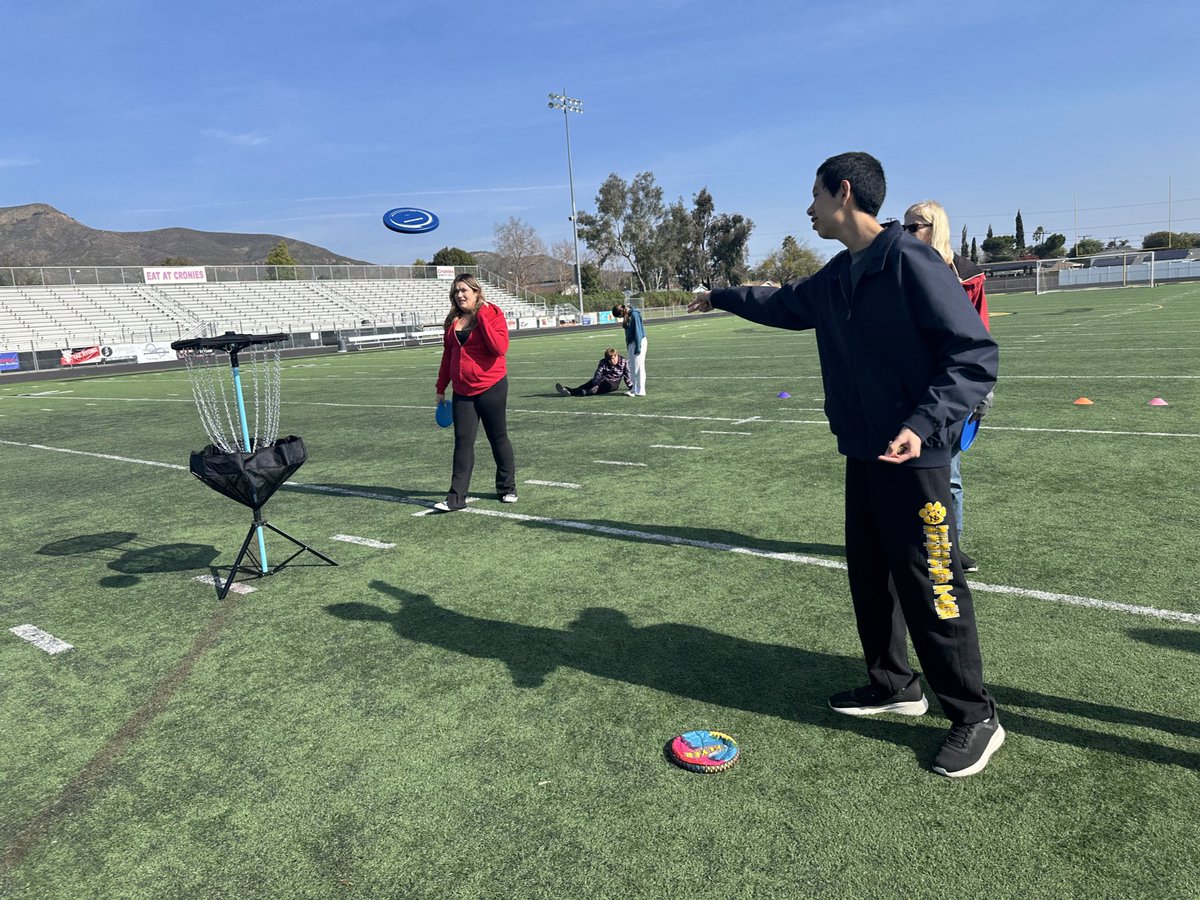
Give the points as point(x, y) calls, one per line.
point(904, 348)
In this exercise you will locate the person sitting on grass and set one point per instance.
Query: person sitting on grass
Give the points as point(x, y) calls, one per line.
point(613, 370)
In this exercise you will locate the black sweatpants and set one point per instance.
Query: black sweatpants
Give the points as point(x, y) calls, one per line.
point(905, 574)
point(592, 388)
point(489, 407)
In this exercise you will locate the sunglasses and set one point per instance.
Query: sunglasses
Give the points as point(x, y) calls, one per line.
point(914, 227)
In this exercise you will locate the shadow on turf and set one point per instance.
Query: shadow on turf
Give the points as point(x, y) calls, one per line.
point(639, 534)
point(1169, 638)
point(130, 557)
point(772, 679)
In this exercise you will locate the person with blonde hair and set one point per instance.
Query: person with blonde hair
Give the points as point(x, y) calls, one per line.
point(927, 221)
point(473, 351)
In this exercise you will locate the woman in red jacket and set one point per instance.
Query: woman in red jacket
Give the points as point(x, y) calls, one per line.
point(473, 349)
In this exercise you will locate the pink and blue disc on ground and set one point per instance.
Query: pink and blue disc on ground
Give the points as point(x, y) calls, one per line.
point(703, 751)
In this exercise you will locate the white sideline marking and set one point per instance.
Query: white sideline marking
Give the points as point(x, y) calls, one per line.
point(142, 462)
point(237, 587)
point(1094, 431)
point(366, 542)
point(46, 393)
point(1070, 599)
point(43, 640)
point(613, 462)
point(747, 433)
point(673, 447)
point(751, 419)
point(428, 510)
point(561, 484)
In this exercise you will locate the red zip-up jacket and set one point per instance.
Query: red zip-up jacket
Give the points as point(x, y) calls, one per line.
point(473, 367)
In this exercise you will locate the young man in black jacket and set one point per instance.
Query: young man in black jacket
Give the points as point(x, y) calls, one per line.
point(904, 361)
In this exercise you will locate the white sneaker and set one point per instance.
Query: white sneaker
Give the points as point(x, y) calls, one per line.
point(630, 394)
point(509, 498)
point(442, 506)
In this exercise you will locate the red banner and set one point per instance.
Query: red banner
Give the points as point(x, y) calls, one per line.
point(83, 355)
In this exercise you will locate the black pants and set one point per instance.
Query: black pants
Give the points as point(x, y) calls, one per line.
point(592, 388)
point(489, 407)
point(905, 574)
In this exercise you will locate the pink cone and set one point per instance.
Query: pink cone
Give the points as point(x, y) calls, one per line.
point(1159, 401)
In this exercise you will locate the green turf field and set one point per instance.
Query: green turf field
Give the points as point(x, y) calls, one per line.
point(480, 710)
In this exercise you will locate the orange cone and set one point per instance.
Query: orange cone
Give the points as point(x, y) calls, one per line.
point(1083, 401)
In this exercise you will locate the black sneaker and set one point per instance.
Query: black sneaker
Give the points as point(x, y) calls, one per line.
point(562, 390)
point(870, 700)
point(967, 748)
point(969, 564)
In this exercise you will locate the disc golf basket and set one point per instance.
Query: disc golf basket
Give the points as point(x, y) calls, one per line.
point(245, 461)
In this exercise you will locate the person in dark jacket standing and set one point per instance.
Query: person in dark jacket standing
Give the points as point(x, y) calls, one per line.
point(612, 370)
point(635, 343)
point(473, 350)
point(927, 221)
point(903, 361)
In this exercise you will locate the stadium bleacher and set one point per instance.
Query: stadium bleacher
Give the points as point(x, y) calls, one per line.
point(45, 317)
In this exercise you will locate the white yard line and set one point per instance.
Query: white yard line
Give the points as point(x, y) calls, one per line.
point(366, 542)
point(653, 537)
point(43, 640)
point(558, 484)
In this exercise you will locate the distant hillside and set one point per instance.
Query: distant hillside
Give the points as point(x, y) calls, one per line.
point(40, 235)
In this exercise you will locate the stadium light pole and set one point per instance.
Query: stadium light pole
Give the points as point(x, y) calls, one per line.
point(570, 105)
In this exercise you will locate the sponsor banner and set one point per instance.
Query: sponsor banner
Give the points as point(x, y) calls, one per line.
point(547, 322)
point(445, 273)
point(527, 322)
point(8, 362)
point(143, 353)
point(175, 275)
point(589, 319)
point(606, 318)
point(80, 356)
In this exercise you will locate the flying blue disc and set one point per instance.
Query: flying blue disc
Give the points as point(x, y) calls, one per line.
point(409, 220)
point(445, 414)
point(970, 429)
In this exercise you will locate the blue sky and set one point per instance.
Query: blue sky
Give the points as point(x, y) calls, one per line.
point(312, 119)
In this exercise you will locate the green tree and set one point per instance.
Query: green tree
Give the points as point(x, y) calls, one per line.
point(730, 238)
point(999, 248)
point(974, 251)
point(964, 249)
point(1052, 247)
point(1086, 246)
point(282, 262)
point(1157, 240)
point(589, 275)
point(1019, 237)
point(625, 223)
point(1039, 234)
point(791, 261)
point(418, 262)
point(989, 234)
point(453, 256)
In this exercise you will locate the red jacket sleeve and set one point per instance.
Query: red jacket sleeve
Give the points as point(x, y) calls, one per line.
point(443, 378)
point(493, 328)
point(978, 297)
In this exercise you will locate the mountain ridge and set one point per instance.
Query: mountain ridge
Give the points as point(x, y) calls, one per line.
point(37, 234)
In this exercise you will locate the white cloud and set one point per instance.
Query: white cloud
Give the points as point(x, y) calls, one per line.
point(250, 139)
point(13, 162)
